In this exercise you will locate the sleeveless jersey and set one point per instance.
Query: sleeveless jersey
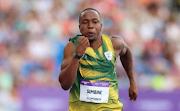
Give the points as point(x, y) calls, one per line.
point(96, 65)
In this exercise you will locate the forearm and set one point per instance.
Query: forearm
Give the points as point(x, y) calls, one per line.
point(127, 63)
point(68, 75)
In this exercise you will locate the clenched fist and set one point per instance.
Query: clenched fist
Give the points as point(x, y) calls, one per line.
point(83, 43)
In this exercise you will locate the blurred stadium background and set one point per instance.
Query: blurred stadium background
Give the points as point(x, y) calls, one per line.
point(33, 34)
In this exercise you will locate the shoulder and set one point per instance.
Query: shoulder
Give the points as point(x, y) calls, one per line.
point(117, 41)
point(69, 48)
point(119, 44)
point(70, 44)
point(116, 38)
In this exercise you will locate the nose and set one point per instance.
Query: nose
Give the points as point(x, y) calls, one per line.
point(90, 25)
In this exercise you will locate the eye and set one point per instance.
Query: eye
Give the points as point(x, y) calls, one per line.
point(95, 22)
point(84, 22)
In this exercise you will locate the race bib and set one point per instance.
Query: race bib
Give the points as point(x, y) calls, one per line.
point(96, 92)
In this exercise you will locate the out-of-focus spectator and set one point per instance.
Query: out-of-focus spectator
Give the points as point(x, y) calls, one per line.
point(10, 99)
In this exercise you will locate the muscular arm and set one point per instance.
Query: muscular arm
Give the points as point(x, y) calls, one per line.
point(70, 64)
point(127, 62)
point(69, 67)
point(122, 49)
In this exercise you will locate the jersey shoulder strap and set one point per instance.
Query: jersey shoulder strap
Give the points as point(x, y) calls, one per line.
point(74, 39)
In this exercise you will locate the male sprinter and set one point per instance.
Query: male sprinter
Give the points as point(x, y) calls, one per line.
point(88, 67)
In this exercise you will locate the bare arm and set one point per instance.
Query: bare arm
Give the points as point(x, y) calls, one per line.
point(70, 64)
point(69, 67)
point(122, 49)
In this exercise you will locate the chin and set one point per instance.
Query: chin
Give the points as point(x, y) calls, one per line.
point(91, 40)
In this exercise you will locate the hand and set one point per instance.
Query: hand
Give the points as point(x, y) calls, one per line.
point(133, 92)
point(83, 43)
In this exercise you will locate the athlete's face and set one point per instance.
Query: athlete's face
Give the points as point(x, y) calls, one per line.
point(90, 25)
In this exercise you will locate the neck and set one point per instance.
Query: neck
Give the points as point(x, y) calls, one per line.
point(96, 44)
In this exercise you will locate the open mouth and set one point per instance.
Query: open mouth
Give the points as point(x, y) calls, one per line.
point(90, 34)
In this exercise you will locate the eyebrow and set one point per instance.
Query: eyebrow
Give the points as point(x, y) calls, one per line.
point(88, 20)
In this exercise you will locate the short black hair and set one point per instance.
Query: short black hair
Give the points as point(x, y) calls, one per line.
point(88, 9)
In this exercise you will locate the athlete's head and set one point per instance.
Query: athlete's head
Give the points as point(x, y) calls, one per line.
point(90, 24)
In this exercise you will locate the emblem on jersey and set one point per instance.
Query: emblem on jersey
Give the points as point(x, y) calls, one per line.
point(108, 55)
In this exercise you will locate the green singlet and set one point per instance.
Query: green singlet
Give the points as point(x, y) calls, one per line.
point(95, 65)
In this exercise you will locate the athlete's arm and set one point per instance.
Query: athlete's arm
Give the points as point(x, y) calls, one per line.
point(122, 49)
point(68, 67)
point(70, 64)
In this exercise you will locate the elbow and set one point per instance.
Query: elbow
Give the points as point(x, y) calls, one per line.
point(65, 87)
point(65, 84)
